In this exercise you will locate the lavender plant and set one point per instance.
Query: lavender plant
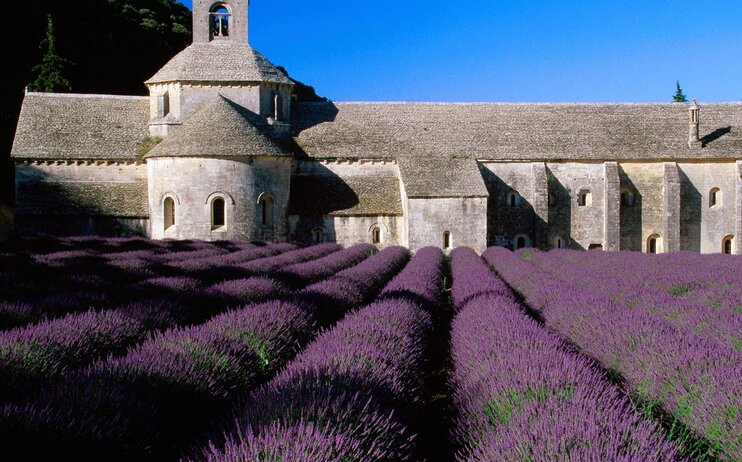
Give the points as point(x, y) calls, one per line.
point(522, 394)
point(669, 371)
point(352, 394)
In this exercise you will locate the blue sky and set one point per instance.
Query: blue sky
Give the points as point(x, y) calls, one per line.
point(498, 50)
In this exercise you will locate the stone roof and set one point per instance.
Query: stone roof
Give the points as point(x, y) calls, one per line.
point(441, 176)
point(83, 198)
point(219, 61)
point(219, 128)
point(67, 126)
point(351, 196)
point(504, 131)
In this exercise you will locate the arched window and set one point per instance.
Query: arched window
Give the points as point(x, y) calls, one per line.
point(726, 245)
point(521, 241)
point(266, 211)
point(446, 239)
point(220, 19)
point(627, 198)
point(169, 212)
point(318, 235)
point(376, 235)
point(218, 213)
point(513, 199)
point(714, 197)
point(560, 243)
point(585, 198)
point(654, 242)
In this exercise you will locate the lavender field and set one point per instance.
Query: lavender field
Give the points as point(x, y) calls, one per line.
point(139, 350)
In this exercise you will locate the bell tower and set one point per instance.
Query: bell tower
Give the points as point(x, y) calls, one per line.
point(222, 20)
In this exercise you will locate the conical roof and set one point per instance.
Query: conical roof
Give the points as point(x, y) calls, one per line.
point(219, 129)
point(219, 61)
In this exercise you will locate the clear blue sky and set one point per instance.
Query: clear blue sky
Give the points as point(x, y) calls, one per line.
point(498, 50)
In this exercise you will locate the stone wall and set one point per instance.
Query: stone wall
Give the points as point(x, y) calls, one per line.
point(581, 225)
point(510, 206)
point(355, 230)
point(346, 227)
point(464, 218)
point(194, 183)
point(81, 198)
point(644, 216)
point(201, 17)
point(703, 227)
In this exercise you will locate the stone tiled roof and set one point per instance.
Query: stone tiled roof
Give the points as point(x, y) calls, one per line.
point(441, 176)
point(66, 126)
point(611, 131)
point(219, 129)
point(219, 62)
point(350, 196)
point(83, 198)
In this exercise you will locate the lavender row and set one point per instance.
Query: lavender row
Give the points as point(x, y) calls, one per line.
point(699, 294)
point(146, 404)
point(281, 283)
point(352, 394)
point(355, 286)
point(693, 379)
point(520, 393)
point(48, 351)
point(53, 348)
point(102, 288)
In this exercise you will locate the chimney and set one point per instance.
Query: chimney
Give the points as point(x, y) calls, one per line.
point(694, 122)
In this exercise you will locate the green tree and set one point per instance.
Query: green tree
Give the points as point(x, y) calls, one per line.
point(50, 73)
point(679, 96)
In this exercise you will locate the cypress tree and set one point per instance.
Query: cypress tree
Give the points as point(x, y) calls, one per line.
point(49, 73)
point(679, 96)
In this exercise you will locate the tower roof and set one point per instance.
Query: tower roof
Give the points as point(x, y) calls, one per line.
point(219, 61)
point(219, 129)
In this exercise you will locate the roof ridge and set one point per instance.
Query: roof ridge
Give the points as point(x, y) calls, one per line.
point(83, 95)
point(509, 103)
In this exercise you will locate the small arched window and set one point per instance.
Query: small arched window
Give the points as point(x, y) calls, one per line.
point(714, 197)
point(376, 235)
point(266, 211)
point(560, 243)
point(653, 243)
point(318, 236)
point(514, 199)
point(585, 198)
point(727, 244)
point(521, 241)
point(218, 213)
point(169, 212)
point(446, 239)
point(220, 19)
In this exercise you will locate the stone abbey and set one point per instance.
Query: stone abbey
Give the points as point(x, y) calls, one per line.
point(220, 151)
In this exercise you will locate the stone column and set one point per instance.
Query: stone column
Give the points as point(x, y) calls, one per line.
point(540, 202)
point(671, 202)
point(611, 207)
point(738, 200)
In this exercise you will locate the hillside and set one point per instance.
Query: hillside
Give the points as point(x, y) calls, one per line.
point(113, 45)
